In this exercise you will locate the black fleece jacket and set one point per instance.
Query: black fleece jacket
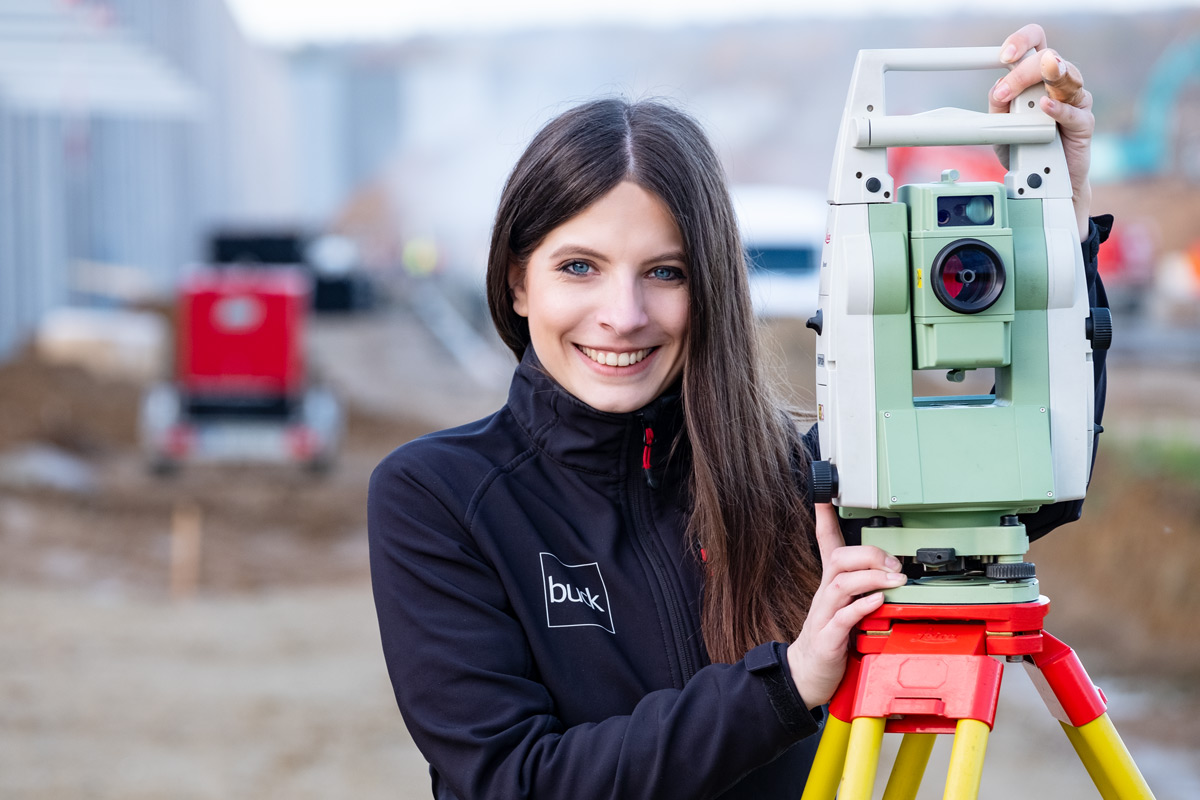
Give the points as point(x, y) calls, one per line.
point(540, 612)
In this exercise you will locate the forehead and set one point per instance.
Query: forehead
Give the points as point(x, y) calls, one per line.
point(626, 217)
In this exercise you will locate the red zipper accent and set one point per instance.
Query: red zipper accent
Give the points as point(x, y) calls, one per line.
point(648, 441)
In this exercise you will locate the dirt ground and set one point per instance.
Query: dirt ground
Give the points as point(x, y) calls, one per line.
point(268, 682)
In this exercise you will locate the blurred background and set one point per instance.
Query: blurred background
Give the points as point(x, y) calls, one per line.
point(241, 258)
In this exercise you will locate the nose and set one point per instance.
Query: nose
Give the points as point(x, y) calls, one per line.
point(623, 309)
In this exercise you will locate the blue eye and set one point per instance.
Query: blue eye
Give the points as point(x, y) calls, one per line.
point(576, 268)
point(667, 273)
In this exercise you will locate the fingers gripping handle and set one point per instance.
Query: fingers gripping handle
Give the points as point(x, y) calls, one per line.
point(945, 126)
point(860, 165)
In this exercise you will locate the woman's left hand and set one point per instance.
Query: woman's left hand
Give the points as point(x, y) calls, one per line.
point(1068, 103)
point(852, 580)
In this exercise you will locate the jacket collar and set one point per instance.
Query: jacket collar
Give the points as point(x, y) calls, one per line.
point(581, 437)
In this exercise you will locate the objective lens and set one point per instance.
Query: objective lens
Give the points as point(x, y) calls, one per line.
point(968, 276)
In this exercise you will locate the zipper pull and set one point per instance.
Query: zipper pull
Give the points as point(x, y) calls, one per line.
point(648, 442)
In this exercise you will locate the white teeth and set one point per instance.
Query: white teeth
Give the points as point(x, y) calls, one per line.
point(612, 359)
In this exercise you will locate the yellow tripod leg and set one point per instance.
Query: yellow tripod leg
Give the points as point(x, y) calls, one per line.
point(1088, 758)
point(909, 768)
point(966, 760)
point(862, 758)
point(1107, 760)
point(827, 765)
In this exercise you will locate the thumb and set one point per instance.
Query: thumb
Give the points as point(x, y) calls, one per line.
point(829, 531)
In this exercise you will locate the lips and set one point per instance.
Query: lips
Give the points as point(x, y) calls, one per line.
point(612, 358)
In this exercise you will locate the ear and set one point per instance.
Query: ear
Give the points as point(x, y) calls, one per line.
point(516, 285)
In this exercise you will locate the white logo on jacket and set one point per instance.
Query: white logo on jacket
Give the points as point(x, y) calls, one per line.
point(575, 594)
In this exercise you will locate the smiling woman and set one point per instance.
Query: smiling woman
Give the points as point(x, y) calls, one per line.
point(605, 296)
point(617, 586)
point(562, 544)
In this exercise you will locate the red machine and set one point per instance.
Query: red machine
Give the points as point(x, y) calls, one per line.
point(241, 391)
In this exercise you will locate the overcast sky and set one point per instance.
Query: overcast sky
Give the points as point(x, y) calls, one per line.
point(286, 22)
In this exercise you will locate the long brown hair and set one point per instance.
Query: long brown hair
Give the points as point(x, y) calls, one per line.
point(748, 513)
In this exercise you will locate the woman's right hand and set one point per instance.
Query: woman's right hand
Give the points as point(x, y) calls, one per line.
point(1066, 102)
point(850, 580)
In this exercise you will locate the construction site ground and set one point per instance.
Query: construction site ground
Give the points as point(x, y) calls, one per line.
point(259, 675)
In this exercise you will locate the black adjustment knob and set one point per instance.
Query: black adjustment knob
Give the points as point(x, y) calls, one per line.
point(1099, 328)
point(1011, 571)
point(816, 322)
point(824, 482)
point(935, 556)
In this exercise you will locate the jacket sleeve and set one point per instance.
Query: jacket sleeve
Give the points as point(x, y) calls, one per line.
point(468, 689)
point(1048, 517)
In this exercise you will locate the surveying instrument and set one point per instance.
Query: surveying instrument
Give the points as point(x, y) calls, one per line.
point(953, 277)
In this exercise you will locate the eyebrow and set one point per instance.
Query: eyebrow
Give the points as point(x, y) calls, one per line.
point(587, 252)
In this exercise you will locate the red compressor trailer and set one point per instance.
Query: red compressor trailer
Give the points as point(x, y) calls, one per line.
point(241, 390)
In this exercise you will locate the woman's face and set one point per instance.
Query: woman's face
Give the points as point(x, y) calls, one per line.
point(606, 296)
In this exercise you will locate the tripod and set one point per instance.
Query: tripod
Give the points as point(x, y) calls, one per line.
point(921, 670)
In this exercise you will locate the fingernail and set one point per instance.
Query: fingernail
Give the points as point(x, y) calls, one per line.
point(897, 578)
point(892, 563)
point(1062, 68)
point(1001, 92)
point(1051, 105)
point(1008, 53)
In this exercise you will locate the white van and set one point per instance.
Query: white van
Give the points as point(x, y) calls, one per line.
point(783, 231)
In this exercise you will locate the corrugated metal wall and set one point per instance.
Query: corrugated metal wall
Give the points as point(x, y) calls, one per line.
point(128, 130)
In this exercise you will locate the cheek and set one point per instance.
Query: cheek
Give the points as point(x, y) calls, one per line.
point(680, 319)
point(551, 316)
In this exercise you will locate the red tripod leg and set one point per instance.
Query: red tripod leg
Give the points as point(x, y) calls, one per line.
point(1081, 708)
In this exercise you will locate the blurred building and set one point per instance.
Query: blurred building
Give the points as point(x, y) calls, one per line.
point(347, 106)
point(129, 129)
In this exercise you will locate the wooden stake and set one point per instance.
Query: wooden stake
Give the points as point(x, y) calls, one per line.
point(186, 535)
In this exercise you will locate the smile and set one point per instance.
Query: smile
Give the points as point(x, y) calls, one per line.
point(611, 359)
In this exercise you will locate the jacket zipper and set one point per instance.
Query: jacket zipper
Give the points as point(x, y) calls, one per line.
point(641, 509)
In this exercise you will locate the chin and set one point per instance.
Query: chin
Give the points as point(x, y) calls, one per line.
point(617, 403)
